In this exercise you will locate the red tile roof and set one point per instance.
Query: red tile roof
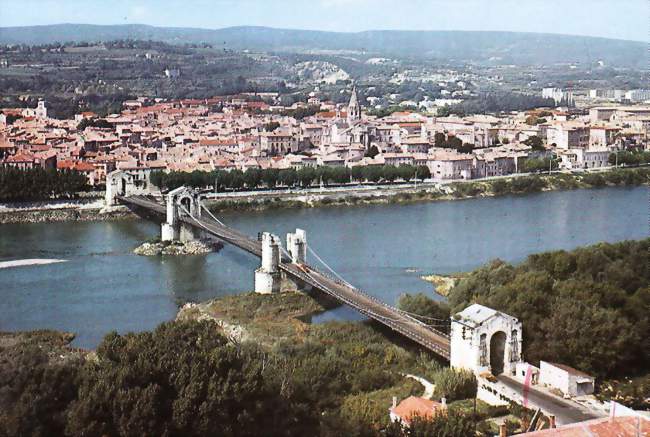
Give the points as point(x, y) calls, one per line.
point(415, 406)
point(605, 427)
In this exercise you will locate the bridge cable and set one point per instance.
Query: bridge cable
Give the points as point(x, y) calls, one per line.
point(235, 238)
point(361, 292)
point(328, 267)
point(212, 215)
point(443, 323)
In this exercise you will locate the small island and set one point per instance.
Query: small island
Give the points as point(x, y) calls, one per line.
point(175, 248)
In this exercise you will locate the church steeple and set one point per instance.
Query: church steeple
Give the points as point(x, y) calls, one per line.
point(354, 109)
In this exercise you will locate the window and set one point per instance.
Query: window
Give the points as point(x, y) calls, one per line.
point(483, 350)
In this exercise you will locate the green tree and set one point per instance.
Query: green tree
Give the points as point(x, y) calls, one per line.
point(371, 152)
point(252, 177)
point(535, 143)
point(270, 177)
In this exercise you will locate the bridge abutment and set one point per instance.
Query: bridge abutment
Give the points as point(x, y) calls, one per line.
point(268, 278)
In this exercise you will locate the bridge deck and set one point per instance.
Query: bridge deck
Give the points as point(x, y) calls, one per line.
point(434, 340)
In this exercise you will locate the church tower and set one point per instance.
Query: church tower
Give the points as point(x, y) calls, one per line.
point(354, 109)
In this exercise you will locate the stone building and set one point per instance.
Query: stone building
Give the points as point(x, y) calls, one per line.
point(485, 340)
point(568, 380)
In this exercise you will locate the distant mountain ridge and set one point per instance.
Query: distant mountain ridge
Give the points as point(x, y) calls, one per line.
point(477, 46)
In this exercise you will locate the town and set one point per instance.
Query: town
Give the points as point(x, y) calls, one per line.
point(252, 131)
point(330, 218)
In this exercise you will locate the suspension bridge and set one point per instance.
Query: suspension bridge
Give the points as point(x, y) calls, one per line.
point(185, 214)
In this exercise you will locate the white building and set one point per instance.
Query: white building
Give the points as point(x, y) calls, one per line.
point(485, 340)
point(39, 112)
point(568, 136)
point(561, 97)
point(445, 165)
point(572, 159)
point(637, 95)
point(568, 380)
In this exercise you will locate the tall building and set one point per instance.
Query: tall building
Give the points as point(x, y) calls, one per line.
point(354, 109)
point(561, 97)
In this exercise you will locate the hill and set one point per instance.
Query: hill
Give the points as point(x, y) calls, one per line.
point(498, 47)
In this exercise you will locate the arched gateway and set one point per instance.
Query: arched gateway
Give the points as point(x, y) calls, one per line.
point(485, 340)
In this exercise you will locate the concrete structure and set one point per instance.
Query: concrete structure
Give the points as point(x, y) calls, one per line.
point(180, 202)
point(125, 183)
point(568, 380)
point(485, 340)
point(267, 277)
point(297, 246)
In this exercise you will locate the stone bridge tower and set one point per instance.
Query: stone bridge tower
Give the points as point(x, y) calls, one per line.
point(267, 277)
point(297, 246)
point(181, 202)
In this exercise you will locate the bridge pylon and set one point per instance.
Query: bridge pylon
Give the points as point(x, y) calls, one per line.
point(297, 246)
point(181, 202)
point(268, 278)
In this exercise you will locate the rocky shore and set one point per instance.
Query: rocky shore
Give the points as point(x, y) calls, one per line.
point(443, 284)
point(196, 247)
point(67, 214)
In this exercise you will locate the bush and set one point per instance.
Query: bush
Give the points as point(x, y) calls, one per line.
point(433, 312)
point(528, 184)
point(454, 384)
point(594, 179)
point(500, 186)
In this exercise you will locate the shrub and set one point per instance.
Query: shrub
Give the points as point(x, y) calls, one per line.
point(454, 384)
point(595, 180)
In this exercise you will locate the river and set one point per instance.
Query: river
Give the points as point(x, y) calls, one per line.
point(383, 249)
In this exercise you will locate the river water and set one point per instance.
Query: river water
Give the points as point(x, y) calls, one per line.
point(383, 249)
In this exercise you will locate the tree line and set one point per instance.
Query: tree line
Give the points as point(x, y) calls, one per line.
point(629, 158)
point(39, 184)
point(187, 379)
point(304, 177)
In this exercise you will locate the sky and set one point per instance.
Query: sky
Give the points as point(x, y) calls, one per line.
point(621, 19)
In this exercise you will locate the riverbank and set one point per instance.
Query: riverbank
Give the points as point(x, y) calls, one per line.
point(444, 283)
point(93, 209)
point(498, 186)
point(71, 213)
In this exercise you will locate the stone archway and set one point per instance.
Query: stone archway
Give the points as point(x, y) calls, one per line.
point(186, 203)
point(497, 352)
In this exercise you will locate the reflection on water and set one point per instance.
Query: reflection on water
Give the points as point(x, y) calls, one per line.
point(383, 249)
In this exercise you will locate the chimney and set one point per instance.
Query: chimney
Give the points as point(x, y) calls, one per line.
point(394, 401)
point(502, 430)
point(551, 421)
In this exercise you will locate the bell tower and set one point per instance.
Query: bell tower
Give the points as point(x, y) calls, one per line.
point(354, 109)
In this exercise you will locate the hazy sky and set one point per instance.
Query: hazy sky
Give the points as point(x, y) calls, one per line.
point(625, 19)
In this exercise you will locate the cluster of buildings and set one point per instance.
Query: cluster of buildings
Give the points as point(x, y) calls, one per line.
point(633, 96)
point(242, 132)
